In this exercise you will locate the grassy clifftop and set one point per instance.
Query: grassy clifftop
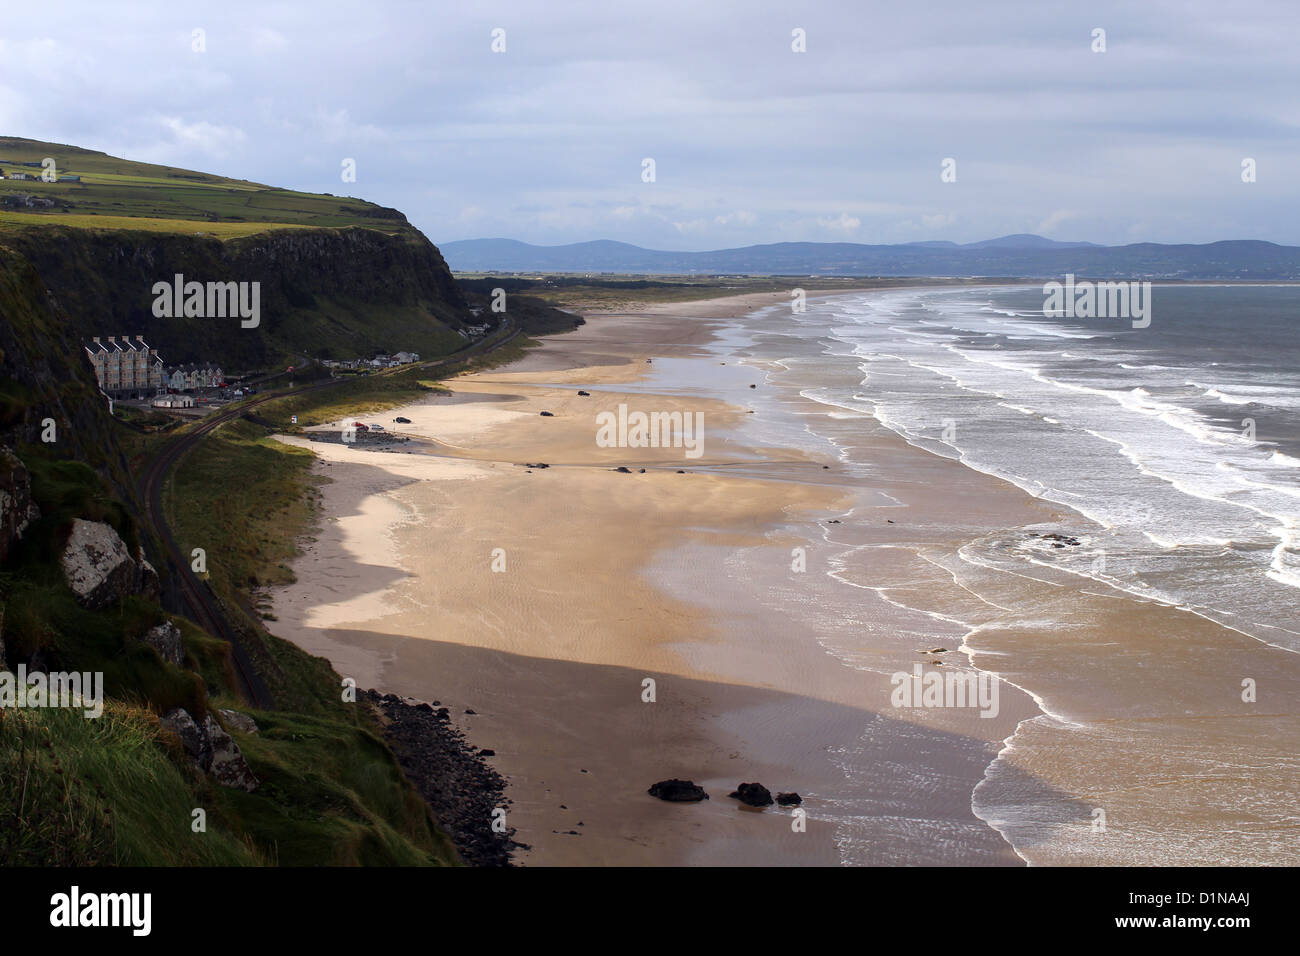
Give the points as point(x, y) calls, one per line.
point(112, 193)
point(338, 277)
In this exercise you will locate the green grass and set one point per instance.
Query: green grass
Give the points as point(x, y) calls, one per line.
point(109, 791)
point(119, 791)
point(189, 227)
point(122, 194)
point(243, 498)
point(331, 793)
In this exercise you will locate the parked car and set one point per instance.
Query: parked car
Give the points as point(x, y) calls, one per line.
point(403, 421)
point(361, 427)
point(376, 428)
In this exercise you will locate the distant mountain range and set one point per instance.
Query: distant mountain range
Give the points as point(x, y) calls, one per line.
point(1019, 255)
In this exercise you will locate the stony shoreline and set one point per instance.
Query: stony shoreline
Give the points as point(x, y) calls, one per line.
point(461, 788)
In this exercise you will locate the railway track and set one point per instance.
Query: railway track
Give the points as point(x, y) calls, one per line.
point(189, 593)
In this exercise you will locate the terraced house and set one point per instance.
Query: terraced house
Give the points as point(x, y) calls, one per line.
point(126, 369)
point(187, 378)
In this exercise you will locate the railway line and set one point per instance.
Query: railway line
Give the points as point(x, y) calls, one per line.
point(189, 593)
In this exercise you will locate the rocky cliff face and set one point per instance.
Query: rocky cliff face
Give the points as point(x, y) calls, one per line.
point(346, 292)
point(45, 378)
point(17, 510)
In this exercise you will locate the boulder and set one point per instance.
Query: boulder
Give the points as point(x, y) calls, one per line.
point(17, 510)
point(240, 723)
point(228, 766)
point(788, 799)
point(166, 640)
point(147, 582)
point(212, 749)
point(678, 791)
point(196, 743)
point(752, 795)
point(97, 566)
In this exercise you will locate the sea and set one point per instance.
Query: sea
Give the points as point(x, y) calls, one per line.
point(1158, 637)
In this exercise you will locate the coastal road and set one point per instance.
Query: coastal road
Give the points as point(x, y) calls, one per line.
point(195, 599)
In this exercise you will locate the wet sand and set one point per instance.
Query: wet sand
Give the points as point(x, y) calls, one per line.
point(553, 653)
point(545, 599)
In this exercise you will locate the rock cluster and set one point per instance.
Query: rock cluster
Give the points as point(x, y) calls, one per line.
point(1058, 540)
point(17, 510)
point(678, 791)
point(752, 795)
point(213, 750)
point(454, 778)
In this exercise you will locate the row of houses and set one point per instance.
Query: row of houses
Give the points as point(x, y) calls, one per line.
point(188, 378)
point(379, 361)
point(131, 369)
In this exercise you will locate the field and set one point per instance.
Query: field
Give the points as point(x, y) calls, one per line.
point(120, 194)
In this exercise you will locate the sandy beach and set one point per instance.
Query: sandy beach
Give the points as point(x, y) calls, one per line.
point(731, 617)
point(553, 650)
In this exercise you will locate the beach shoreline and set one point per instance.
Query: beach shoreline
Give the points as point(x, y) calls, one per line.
point(609, 630)
point(592, 640)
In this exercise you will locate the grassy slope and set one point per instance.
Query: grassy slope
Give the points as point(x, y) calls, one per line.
point(118, 791)
point(114, 191)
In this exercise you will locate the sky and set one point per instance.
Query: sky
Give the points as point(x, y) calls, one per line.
point(752, 142)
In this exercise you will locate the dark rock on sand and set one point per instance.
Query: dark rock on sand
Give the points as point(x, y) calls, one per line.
point(547, 414)
point(1059, 540)
point(581, 392)
point(623, 470)
point(752, 794)
point(678, 791)
point(791, 799)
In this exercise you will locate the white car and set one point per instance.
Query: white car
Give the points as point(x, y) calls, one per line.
point(376, 428)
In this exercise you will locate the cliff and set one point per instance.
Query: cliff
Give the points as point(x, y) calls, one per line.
point(324, 293)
